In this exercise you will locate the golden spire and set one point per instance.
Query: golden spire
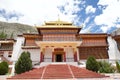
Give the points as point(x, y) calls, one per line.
point(58, 22)
point(58, 17)
point(34, 25)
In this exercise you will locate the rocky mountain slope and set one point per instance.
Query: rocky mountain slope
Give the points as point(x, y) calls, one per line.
point(16, 29)
point(116, 32)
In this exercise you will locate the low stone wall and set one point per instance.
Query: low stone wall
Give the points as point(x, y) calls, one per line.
point(3, 77)
point(115, 76)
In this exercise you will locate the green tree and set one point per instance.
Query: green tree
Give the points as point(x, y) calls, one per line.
point(106, 67)
point(12, 35)
point(3, 68)
point(92, 64)
point(24, 63)
point(3, 35)
point(28, 54)
point(118, 67)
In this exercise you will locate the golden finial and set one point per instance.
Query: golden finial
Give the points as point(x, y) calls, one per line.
point(35, 25)
point(82, 25)
point(58, 17)
point(58, 22)
point(44, 21)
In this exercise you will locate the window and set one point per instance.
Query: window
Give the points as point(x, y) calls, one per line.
point(1, 53)
point(9, 55)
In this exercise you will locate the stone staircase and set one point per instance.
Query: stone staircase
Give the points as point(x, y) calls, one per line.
point(54, 72)
point(47, 63)
point(58, 71)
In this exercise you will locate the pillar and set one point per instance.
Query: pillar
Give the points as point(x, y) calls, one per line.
point(52, 56)
point(64, 57)
point(41, 57)
point(75, 56)
point(77, 52)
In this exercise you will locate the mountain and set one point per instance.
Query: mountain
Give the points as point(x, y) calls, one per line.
point(116, 32)
point(16, 29)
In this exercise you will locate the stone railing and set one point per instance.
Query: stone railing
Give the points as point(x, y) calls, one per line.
point(47, 59)
point(112, 61)
point(69, 59)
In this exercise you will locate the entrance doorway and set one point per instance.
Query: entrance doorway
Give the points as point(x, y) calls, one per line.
point(58, 55)
point(59, 58)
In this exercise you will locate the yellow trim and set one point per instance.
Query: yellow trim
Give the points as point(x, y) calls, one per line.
point(57, 24)
point(58, 44)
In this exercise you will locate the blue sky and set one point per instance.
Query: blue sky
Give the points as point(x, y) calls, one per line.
point(96, 16)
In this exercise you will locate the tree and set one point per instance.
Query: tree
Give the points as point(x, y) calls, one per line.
point(92, 64)
point(12, 35)
point(24, 63)
point(3, 35)
point(3, 68)
point(118, 67)
point(106, 67)
point(28, 54)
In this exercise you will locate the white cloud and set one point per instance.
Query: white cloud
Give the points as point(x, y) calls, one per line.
point(109, 15)
point(38, 11)
point(90, 9)
point(88, 28)
point(118, 26)
point(104, 29)
point(87, 20)
point(2, 19)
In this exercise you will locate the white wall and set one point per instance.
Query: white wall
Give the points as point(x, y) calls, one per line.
point(69, 54)
point(48, 55)
point(6, 53)
point(17, 48)
point(68, 50)
point(113, 51)
point(35, 54)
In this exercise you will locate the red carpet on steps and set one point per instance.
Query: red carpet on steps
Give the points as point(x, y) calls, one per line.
point(57, 71)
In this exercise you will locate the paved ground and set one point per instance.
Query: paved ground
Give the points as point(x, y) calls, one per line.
point(114, 76)
point(3, 77)
point(111, 78)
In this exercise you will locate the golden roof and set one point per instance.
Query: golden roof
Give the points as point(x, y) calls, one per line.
point(57, 24)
